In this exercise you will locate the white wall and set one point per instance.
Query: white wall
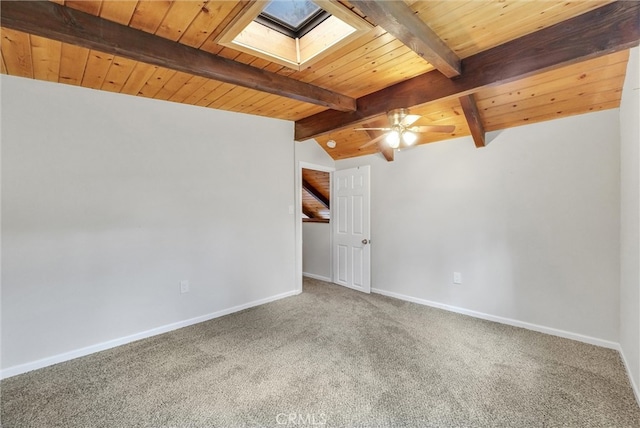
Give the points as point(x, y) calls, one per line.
point(630, 220)
point(531, 221)
point(108, 201)
point(316, 250)
point(309, 151)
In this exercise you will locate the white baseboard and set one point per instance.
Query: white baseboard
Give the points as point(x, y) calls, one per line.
point(44, 362)
point(314, 276)
point(529, 326)
point(634, 385)
point(508, 321)
point(66, 356)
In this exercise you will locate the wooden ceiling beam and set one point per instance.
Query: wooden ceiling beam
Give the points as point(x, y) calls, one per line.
point(308, 212)
point(610, 28)
point(383, 148)
point(471, 113)
point(386, 151)
point(402, 23)
point(56, 22)
point(315, 193)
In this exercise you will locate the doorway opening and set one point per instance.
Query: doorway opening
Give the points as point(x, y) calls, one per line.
point(313, 225)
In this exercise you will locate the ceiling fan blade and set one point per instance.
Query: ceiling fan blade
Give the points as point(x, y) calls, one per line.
point(434, 128)
point(372, 142)
point(372, 129)
point(409, 119)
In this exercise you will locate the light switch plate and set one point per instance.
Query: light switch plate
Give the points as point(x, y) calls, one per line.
point(457, 278)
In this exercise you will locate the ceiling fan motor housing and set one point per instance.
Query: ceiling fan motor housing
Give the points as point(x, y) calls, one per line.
point(396, 116)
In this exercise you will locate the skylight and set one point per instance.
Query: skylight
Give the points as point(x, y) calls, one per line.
point(293, 33)
point(293, 18)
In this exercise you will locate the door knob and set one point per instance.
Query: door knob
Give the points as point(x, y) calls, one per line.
point(365, 241)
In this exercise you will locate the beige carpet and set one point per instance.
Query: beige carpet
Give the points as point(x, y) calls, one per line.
point(337, 358)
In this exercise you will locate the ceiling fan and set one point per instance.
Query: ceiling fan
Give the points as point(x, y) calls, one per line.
point(400, 132)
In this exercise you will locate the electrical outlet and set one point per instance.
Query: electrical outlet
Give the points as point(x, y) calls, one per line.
point(184, 286)
point(457, 278)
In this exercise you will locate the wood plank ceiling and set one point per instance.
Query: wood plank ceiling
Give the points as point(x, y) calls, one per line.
point(316, 195)
point(583, 73)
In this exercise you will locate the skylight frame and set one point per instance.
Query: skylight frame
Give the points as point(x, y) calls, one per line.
point(298, 32)
point(245, 34)
point(293, 15)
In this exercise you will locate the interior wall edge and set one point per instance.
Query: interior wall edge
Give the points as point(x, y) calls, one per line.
point(629, 305)
point(627, 367)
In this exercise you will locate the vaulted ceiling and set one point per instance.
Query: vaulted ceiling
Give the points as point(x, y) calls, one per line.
point(477, 65)
point(316, 195)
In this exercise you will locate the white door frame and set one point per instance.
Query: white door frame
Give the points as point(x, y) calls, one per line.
point(298, 215)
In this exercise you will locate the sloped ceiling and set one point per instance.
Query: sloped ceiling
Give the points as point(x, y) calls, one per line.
point(316, 195)
point(517, 62)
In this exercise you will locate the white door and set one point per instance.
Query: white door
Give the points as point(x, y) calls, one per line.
point(351, 228)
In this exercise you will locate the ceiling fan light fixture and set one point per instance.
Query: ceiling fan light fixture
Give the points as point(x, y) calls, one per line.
point(393, 139)
point(401, 130)
point(409, 138)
